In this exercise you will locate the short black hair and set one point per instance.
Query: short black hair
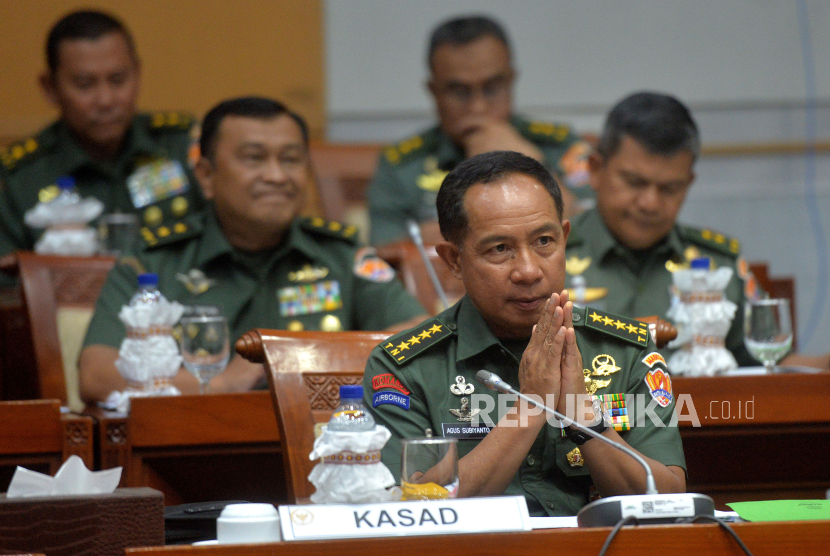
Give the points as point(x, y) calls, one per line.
point(464, 30)
point(658, 122)
point(247, 107)
point(80, 25)
point(486, 168)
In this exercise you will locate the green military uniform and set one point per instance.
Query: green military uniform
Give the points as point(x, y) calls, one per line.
point(151, 176)
point(410, 173)
point(637, 283)
point(421, 379)
point(318, 278)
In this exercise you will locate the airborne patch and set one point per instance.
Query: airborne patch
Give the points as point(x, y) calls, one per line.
point(624, 328)
point(406, 346)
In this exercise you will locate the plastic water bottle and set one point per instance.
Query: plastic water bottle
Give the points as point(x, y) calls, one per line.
point(67, 196)
point(148, 292)
point(352, 415)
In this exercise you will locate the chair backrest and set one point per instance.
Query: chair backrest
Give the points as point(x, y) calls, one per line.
point(305, 371)
point(36, 435)
point(782, 287)
point(59, 295)
point(404, 257)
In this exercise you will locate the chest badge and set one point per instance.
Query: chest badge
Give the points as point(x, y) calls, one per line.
point(602, 365)
point(575, 458)
point(576, 266)
point(463, 388)
point(308, 274)
point(195, 281)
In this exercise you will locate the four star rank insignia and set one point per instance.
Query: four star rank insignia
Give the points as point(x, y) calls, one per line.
point(403, 347)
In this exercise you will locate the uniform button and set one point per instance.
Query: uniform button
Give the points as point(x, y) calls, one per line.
point(531, 460)
point(451, 326)
point(503, 351)
point(577, 317)
point(550, 505)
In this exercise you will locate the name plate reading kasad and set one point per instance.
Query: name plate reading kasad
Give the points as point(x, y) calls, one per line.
point(428, 517)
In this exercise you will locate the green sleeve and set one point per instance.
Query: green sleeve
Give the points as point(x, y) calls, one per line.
point(657, 440)
point(389, 205)
point(735, 337)
point(402, 423)
point(380, 305)
point(105, 327)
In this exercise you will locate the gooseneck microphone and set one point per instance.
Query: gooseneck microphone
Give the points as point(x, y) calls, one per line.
point(415, 235)
point(651, 507)
point(493, 382)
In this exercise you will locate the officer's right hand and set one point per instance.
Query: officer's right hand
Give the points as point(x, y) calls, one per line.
point(540, 368)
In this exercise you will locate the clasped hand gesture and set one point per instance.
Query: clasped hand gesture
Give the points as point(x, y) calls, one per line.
point(552, 364)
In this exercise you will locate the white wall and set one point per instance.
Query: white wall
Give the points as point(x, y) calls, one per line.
point(739, 64)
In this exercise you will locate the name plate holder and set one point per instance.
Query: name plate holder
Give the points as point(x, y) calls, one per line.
point(411, 517)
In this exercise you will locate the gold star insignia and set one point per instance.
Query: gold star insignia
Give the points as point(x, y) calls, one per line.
point(596, 317)
point(402, 346)
point(425, 334)
point(620, 324)
point(608, 321)
point(435, 329)
point(414, 340)
point(632, 329)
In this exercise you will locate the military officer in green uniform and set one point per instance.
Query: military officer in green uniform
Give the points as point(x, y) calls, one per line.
point(501, 215)
point(130, 162)
point(249, 254)
point(623, 252)
point(471, 83)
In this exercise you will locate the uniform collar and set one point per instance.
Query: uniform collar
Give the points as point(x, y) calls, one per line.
point(594, 234)
point(214, 244)
point(74, 157)
point(474, 334)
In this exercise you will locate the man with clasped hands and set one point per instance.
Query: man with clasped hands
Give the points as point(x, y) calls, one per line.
point(500, 215)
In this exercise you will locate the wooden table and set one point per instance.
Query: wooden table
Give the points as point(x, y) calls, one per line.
point(212, 447)
point(761, 437)
point(197, 448)
point(794, 537)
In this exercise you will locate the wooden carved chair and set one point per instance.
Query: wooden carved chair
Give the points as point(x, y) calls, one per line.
point(305, 371)
point(59, 295)
point(35, 435)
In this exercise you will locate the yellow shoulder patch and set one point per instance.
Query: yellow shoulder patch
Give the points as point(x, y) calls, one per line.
point(713, 240)
point(556, 132)
point(176, 120)
point(18, 151)
point(396, 153)
point(630, 330)
point(404, 347)
point(330, 228)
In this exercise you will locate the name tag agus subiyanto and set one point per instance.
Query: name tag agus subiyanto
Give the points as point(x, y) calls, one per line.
point(431, 517)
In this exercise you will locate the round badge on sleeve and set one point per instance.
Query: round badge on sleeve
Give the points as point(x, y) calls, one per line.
point(368, 265)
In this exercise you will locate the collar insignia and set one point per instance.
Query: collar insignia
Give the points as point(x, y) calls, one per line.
point(308, 274)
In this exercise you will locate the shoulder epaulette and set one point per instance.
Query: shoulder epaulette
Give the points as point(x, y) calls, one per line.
point(158, 231)
point(712, 240)
point(19, 152)
point(407, 345)
point(544, 131)
point(330, 228)
point(395, 154)
point(170, 121)
point(630, 330)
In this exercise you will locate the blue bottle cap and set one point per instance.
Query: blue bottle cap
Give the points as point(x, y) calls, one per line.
point(148, 279)
point(65, 182)
point(351, 392)
point(701, 263)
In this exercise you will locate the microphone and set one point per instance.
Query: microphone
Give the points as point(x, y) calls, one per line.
point(415, 233)
point(664, 508)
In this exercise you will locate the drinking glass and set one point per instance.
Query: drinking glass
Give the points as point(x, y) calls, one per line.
point(429, 468)
point(205, 346)
point(117, 232)
point(768, 330)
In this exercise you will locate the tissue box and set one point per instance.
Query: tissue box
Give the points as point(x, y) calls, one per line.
point(88, 525)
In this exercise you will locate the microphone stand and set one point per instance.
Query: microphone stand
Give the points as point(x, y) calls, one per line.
point(650, 507)
point(415, 234)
